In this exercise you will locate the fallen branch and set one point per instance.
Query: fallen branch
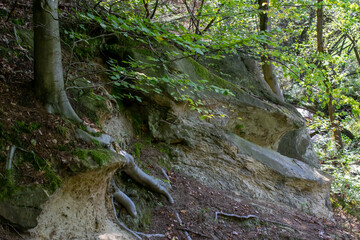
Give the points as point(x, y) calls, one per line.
point(181, 223)
point(247, 217)
point(150, 235)
point(192, 231)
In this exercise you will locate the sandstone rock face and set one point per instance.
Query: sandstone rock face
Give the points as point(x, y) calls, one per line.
point(224, 160)
point(242, 71)
point(79, 209)
point(238, 151)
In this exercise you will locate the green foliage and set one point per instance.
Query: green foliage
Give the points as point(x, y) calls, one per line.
point(21, 126)
point(342, 165)
point(345, 187)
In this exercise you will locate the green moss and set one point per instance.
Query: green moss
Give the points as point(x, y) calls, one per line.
point(26, 38)
point(53, 181)
point(137, 149)
point(164, 162)
point(64, 131)
point(8, 180)
point(7, 185)
point(203, 73)
point(21, 126)
point(99, 156)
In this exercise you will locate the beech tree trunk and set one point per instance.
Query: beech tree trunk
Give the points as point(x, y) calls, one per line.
point(320, 48)
point(267, 67)
point(48, 70)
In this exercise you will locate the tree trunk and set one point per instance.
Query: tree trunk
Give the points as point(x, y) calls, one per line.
point(320, 48)
point(267, 67)
point(48, 70)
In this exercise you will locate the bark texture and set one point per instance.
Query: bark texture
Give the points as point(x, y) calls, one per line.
point(48, 70)
point(267, 67)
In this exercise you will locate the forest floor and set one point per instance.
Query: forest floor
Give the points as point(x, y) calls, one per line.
point(192, 216)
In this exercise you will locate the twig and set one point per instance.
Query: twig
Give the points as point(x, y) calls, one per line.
point(97, 4)
point(154, 10)
point(193, 18)
point(16, 231)
point(181, 223)
point(146, 7)
point(247, 217)
point(11, 11)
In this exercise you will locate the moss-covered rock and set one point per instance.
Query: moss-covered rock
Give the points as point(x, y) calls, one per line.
point(91, 158)
point(23, 207)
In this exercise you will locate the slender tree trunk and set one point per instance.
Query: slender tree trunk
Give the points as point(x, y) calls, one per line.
point(356, 51)
point(49, 82)
point(320, 48)
point(267, 67)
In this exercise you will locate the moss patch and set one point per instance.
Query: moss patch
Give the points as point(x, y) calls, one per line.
point(90, 157)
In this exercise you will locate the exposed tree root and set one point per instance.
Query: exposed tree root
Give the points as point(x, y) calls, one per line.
point(59, 103)
point(123, 226)
point(124, 200)
point(181, 223)
point(10, 158)
point(189, 230)
point(167, 178)
point(247, 217)
point(141, 177)
point(151, 235)
point(135, 234)
point(131, 169)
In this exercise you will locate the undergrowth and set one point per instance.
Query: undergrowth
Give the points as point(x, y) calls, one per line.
point(344, 166)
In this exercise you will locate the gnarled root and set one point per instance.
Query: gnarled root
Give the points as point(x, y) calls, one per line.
point(130, 168)
point(141, 177)
point(124, 200)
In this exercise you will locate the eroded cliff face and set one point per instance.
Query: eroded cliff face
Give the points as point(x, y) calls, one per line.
point(81, 208)
point(238, 151)
point(254, 145)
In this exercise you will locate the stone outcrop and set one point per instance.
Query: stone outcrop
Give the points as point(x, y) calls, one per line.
point(24, 206)
point(298, 144)
point(238, 151)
